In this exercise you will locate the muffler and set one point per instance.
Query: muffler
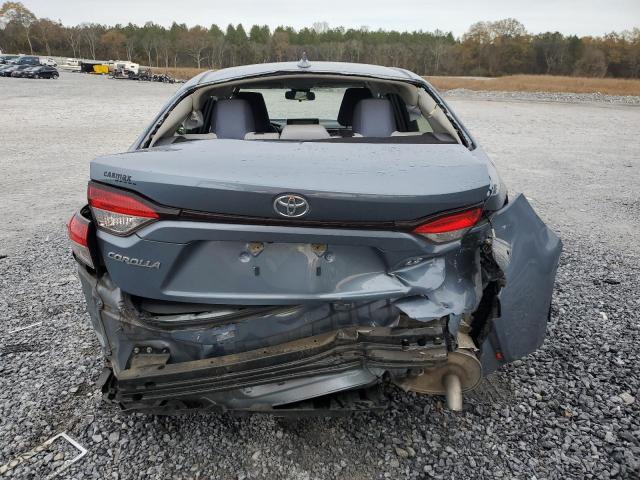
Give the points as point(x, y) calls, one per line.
point(460, 374)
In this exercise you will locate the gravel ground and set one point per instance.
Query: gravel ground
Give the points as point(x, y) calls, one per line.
point(571, 410)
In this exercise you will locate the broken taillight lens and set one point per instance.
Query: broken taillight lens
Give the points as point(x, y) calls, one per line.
point(449, 227)
point(117, 211)
point(78, 229)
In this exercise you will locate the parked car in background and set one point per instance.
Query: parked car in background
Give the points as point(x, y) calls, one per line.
point(14, 69)
point(29, 67)
point(287, 237)
point(5, 67)
point(40, 71)
point(71, 65)
point(19, 63)
point(27, 60)
point(19, 72)
point(48, 61)
point(6, 58)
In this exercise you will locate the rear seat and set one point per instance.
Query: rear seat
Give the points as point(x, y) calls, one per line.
point(245, 117)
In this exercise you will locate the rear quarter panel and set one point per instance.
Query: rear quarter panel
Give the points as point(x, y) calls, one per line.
point(525, 300)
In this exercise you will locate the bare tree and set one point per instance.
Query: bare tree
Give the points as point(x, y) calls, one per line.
point(280, 45)
point(593, 63)
point(164, 50)
point(217, 44)
point(320, 27)
point(73, 39)
point(216, 52)
point(553, 48)
point(91, 34)
point(130, 45)
point(195, 41)
point(46, 29)
point(437, 47)
point(149, 40)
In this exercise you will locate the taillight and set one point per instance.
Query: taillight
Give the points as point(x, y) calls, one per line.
point(78, 229)
point(449, 227)
point(119, 212)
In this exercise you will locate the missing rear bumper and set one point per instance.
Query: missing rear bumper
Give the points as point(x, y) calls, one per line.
point(342, 403)
point(273, 377)
point(494, 286)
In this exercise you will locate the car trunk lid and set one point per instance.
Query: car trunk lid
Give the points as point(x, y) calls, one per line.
point(341, 182)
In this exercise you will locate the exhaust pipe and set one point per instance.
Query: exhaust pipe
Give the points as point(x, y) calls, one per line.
point(453, 391)
point(461, 373)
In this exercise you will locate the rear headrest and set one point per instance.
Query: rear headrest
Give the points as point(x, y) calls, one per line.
point(351, 97)
point(259, 109)
point(232, 118)
point(373, 117)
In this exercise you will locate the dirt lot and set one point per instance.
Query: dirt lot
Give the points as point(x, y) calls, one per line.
point(572, 410)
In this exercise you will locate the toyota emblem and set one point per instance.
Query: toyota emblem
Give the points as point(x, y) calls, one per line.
point(291, 205)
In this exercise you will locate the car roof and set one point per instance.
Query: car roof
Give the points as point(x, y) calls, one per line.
point(338, 68)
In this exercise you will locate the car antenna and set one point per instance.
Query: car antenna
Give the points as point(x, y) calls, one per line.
point(304, 61)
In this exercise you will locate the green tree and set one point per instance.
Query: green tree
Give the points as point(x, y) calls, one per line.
point(488, 48)
point(279, 45)
point(16, 12)
point(113, 42)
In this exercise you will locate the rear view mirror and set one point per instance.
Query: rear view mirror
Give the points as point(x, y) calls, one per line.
point(300, 95)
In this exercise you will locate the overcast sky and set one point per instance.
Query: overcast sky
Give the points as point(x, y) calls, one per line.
point(581, 17)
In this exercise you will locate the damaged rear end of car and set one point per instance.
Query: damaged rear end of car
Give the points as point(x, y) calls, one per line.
point(295, 277)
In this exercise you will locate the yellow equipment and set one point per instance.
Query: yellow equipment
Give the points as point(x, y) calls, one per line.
point(101, 69)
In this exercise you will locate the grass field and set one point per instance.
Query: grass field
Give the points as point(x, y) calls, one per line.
point(541, 83)
point(512, 83)
point(180, 72)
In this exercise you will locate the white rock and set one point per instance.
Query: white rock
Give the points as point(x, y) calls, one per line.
point(627, 398)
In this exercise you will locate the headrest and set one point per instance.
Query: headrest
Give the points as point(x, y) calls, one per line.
point(259, 109)
point(352, 96)
point(373, 117)
point(232, 118)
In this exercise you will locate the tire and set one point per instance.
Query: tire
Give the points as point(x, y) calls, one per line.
point(55, 76)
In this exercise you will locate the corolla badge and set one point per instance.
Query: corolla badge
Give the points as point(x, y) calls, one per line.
point(137, 262)
point(291, 205)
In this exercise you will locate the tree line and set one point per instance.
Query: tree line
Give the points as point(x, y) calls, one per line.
point(487, 49)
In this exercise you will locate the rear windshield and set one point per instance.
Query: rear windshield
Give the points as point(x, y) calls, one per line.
point(311, 109)
point(324, 107)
